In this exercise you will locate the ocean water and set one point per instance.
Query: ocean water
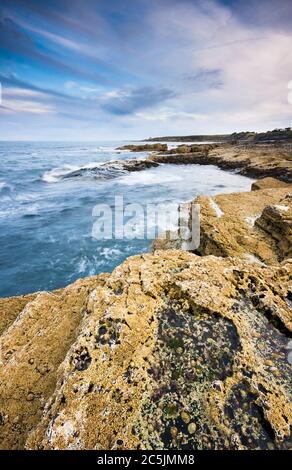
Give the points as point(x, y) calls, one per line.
point(46, 218)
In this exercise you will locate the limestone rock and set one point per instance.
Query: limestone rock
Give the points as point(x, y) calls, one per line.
point(267, 183)
point(169, 340)
point(229, 228)
point(276, 220)
point(240, 224)
point(201, 148)
point(10, 307)
point(32, 348)
point(257, 161)
point(144, 147)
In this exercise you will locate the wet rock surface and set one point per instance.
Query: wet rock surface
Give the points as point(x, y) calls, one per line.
point(171, 350)
point(112, 169)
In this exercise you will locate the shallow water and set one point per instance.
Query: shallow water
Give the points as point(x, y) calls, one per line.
point(46, 221)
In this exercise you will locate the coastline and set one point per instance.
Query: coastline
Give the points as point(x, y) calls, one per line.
point(196, 344)
point(260, 161)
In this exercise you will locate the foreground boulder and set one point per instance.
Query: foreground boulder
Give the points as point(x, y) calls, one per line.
point(173, 351)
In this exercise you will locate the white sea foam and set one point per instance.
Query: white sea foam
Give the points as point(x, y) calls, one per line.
point(110, 253)
point(2, 185)
point(104, 169)
point(29, 210)
point(56, 174)
point(82, 265)
point(108, 150)
point(149, 177)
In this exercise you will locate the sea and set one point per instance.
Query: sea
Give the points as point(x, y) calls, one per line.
point(47, 216)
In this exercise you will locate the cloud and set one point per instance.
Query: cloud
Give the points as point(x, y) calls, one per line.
point(23, 93)
point(128, 69)
point(20, 106)
point(125, 102)
point(205, 79)
point(265, 14)
point(11, 80)
point(17, 41)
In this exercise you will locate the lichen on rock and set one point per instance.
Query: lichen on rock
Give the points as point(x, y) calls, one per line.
point(174, 351)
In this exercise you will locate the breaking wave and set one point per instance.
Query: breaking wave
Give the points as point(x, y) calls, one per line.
point(104, 170)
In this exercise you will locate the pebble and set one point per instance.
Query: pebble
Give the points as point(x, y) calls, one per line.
point(268, 363)
point(185, 417)
point(173, 432)
point(192, 428)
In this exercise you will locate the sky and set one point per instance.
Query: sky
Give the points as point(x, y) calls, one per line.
point(81, 70)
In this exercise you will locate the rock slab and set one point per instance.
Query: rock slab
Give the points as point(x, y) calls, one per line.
point(171, 351)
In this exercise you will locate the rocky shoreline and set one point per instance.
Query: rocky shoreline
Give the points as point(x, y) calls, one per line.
point(254, 225)
point(253, 162)
point(173, 350)
point(256, 161)
point(273, 160)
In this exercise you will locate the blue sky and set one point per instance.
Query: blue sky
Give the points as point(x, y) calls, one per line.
point(125, 69)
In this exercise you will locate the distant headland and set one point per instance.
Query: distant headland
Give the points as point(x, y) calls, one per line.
point(276, 135)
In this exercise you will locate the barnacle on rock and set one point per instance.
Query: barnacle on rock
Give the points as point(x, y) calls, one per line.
point(190, 354)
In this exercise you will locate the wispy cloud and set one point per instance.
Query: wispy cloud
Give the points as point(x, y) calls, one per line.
point(10, 80)
point(128, 69)
point(26, 106)
point(125, 102)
